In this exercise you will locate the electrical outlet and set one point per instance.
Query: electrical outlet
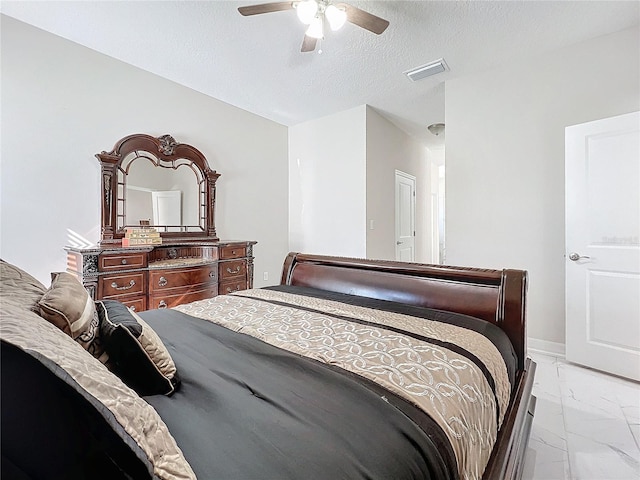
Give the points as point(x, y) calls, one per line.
point(265, 276)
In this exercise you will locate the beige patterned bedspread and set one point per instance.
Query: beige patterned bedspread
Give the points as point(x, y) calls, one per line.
point(447, 385)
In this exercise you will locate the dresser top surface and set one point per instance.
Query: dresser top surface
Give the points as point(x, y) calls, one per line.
point(96, 250)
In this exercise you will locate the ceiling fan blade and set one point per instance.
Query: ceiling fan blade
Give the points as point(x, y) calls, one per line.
point(265, 8)
point(308, 44)
point(364, 19)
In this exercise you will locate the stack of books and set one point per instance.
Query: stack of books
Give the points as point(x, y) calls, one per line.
point(140, 236)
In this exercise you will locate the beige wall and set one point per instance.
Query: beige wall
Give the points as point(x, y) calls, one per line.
point(505, 160)
point(62, 103)
point(390, 149)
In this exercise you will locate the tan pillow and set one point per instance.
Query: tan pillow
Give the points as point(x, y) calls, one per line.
point(67, 305)
point(155, 348)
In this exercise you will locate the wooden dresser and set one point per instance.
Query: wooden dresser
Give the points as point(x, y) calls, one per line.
point(191, 263)
point(163, 276)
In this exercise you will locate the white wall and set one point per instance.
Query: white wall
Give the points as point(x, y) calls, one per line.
point(327, 185)
point(62, 103)
point(390, 149)
point(505, 160)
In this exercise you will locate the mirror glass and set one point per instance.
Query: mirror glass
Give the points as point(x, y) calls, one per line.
point(168, 194)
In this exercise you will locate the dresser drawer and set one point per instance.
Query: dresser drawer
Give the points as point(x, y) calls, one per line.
point(231, 286)
point(237, 268)
point(172, 300)
point(133, 283)
point(122, 261)
point(230, 252)
point(162, 280)
point(138, 304)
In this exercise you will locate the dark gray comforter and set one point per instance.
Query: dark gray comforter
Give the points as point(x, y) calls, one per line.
point(248, 410)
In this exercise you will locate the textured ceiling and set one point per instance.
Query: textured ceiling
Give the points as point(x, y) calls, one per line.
point(255, 62)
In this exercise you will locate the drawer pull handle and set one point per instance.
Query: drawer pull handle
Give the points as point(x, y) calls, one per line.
point(124, 261)
point(126, 287)
point(233, 252)
point(212, 274)
point(132, 308)
point(162, 282)
point(231, 289)
point(235, 270)
point(162, 304)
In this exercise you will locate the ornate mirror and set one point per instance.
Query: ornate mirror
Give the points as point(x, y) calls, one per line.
point(158, 181)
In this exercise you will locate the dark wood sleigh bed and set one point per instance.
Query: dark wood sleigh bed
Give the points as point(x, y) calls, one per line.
point(496, 296)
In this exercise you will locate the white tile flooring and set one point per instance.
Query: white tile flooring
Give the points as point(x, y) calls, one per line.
point(586, 425)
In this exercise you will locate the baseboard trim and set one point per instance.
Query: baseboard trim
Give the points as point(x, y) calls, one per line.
point(544, 346)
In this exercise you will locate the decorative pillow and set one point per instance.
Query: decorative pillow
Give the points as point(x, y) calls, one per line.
point(91, 340)
point(136, 353)
point(67, 305)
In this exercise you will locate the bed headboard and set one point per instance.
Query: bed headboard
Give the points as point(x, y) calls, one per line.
point(497, 296)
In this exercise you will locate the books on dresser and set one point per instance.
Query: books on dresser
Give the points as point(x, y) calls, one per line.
point(139, 236)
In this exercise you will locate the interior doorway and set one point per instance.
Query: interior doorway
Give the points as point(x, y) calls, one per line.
point(437, 207)
point(405, 200)
point(167, 208)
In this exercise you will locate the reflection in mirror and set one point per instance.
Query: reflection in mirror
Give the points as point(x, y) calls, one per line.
point(170, 196)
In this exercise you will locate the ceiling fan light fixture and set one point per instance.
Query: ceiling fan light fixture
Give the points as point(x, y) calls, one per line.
point(316, 29)
point(436, 128)
point(336, 17)
point(306, 11)
point(313, 13)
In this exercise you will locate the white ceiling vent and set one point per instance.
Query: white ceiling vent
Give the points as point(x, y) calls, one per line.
point(427, 70)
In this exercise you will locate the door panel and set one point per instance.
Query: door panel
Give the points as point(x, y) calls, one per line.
point(613, 197)
point(613, 295)
point(603, 244)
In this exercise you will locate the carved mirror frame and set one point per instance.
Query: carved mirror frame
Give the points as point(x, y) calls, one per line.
point(170, 154)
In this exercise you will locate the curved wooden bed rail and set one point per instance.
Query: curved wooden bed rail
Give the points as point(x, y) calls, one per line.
point(498, 296)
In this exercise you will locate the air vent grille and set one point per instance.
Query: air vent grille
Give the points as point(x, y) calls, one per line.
point(427, 70)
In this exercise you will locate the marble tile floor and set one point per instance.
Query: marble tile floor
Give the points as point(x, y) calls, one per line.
point(586, 424)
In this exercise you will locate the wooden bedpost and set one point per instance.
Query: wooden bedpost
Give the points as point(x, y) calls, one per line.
point(512, 311)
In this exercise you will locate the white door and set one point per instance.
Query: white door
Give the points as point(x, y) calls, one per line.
point(167, 208)
point(603, 244)
point(405, 217)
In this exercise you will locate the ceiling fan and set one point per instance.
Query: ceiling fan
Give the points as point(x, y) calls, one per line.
point(317, 13)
